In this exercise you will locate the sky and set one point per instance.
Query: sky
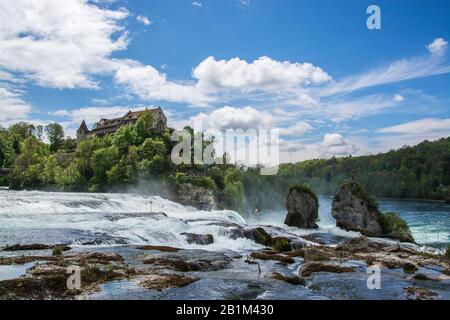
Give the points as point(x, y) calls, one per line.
point(311, 69)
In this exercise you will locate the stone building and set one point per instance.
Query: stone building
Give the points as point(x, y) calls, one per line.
point(110, 126)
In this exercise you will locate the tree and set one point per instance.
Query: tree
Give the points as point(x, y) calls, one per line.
point(55, 134)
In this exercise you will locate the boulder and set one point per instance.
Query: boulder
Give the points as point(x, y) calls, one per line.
point(195, 196)
point(303, 208)
point(201, 239)
point(354, 210)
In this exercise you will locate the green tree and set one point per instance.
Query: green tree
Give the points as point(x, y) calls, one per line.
point(55, 134)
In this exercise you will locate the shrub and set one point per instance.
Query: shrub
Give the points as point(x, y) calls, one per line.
point(392, 224)
point(370, 201)
point(57, 250)
point(304, 189)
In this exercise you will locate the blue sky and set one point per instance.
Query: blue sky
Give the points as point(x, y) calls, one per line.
point(312, 69)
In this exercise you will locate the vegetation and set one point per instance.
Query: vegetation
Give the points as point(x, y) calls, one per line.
point(135, 157)
point(305, 189)
point(392, 224)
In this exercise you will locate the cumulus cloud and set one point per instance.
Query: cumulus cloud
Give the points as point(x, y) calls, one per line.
point(263, 74)
point(235, 118)
point(420, 127)
point(438, 46)
point(144, 20)
point(149, 84)
point(197, 4)
point(59, 44)
point(334, 145)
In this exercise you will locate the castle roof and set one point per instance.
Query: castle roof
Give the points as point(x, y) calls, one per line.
point(83, 126)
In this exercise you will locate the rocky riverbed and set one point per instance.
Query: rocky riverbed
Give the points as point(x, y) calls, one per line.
point(301, 269)
point(124, 251)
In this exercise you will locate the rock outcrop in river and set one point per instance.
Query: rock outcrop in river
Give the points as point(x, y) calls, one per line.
point(303, 208)
point(356, 210)
point(195, 196)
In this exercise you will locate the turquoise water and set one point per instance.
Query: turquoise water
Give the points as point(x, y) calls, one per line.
point(429, 221)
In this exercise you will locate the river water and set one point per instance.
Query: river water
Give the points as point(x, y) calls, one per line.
point(110, 219)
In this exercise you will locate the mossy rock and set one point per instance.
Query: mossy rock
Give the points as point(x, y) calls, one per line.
point(395, 227)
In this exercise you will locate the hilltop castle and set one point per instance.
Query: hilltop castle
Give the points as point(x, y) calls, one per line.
point(110, 126)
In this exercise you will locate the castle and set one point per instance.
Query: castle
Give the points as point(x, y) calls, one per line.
point(110, 126)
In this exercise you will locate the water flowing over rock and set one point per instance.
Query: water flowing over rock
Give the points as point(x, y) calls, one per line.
point(356, 211)
point(201, 239)
point(302, 207)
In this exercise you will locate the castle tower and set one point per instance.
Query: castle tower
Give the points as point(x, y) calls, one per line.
point(82, 131)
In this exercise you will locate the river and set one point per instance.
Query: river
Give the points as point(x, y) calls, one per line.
point(106, 219)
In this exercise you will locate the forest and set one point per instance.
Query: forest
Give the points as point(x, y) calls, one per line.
point(138, 159)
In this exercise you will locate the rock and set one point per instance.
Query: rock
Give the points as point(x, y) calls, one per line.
point(268, 255)
point(361, 244)
point(185, 265)
point(160, 282)
point(354, 210)
point(259, 235)
point(295, 280)
point(313, 267)
point(198, 197)
point(303, 208)
point(417, 293)
point(158, 248)
point(35, 247)
point(201, 239)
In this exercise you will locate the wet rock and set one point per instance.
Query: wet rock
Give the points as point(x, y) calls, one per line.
point(199, 197)
point(259, 235)
point(295, 280)
point(303, 208)
point(24, 259)
point(160, 282)
point(34, 247)
point(310, 268)
point(184, 265)
point(200, 239)
point(423, 277)
point(158, 248)
point(361, 244)
point(417, 293)
point(269, 255)
point(355, 210)
point(49, 280)
point(409, 267)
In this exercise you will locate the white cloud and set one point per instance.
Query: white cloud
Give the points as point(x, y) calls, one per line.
point(334, 144)
point(197, 4)
point(92, 114)
point(149, 84)
point(144, 20)
point(438, 46)
point(12, 105)
point(420, 127)
point(400, 70)
point(399, 98)
point(263, 74)
point(297, 129)
point(57, 43)
point(235, 118)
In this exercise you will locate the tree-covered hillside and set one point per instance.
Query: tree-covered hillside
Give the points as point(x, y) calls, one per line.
point(136, 158)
